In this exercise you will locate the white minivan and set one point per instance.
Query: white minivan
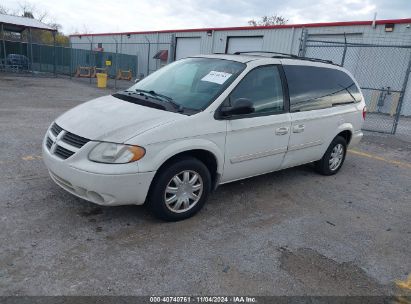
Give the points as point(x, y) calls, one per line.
point(203, 121)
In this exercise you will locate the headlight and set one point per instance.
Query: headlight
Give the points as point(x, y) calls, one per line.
point(111, 153)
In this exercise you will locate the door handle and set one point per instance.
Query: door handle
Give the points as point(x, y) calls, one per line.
point(298, 128)
point(281, 131)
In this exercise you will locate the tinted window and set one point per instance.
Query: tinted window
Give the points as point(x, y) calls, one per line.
point(263, 87)
point(317, 88)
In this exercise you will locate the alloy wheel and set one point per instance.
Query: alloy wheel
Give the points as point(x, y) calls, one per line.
point(336, 157)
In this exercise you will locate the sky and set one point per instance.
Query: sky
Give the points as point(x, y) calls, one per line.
point(101, 16)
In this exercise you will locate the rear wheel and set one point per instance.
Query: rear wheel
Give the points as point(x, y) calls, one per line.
point(333, 158)
point(180, 189)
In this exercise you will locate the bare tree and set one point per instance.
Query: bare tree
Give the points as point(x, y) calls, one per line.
point(84, 30)
point(4, 10)
point(269, 20)
point(29, 10)
point(55, 26)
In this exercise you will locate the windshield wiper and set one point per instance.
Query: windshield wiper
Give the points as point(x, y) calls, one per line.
point(143, 102)
point(178, 107)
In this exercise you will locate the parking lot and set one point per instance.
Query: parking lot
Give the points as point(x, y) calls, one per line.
point(292, 232)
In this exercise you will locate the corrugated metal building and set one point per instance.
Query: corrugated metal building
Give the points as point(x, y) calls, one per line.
point(282, 38)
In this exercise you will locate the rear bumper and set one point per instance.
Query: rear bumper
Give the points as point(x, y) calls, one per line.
point(356, 138)
point(102, 189)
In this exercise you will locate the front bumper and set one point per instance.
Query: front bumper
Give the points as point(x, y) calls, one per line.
point(103, 189)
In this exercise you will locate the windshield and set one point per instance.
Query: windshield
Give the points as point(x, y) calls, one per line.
point(192, 83)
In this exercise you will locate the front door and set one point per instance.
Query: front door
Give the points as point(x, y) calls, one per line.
point(256, 143)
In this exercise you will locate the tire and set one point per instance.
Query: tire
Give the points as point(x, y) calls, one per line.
point(165, 181)
point(325, 165)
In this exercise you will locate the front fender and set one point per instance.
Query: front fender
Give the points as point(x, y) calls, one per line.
point(157, 154)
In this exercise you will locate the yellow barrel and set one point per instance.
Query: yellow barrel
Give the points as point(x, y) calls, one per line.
point(101, 80)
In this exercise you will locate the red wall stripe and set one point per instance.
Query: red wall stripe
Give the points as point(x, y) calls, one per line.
point(323, 24)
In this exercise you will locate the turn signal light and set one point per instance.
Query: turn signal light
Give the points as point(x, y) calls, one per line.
point(138, 152)
point(364, 112)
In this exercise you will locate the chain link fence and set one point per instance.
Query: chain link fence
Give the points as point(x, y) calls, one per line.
point(34, 59)
point(122, 62)
point(382, 72)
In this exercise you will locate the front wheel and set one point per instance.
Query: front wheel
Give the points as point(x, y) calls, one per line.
point(180, 189)
point(333, 158)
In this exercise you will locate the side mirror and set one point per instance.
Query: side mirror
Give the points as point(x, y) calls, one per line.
point(239, 106)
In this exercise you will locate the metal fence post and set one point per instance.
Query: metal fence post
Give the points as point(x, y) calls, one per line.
point(345, 51)
point(27, 48)
point(172, 54)
point(116, 67)
point(62, 59)
point(91, 55)
point(148, 56)
point(4, 45)
point(71, 59)
point(137, 66)
point(54, 54)
point(31, 51)
point(400, 101)
point(40, 56)
point(303, 43)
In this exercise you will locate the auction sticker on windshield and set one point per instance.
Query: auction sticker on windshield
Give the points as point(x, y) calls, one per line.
point(216, 77)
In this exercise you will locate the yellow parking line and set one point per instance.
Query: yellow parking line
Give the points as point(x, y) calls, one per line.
point(25, 158)
point(31, 157)
point(356, 152)
point(376, 157)
point(406, 284)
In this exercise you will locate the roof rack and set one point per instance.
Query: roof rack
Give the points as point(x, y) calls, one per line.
point(316, 60)
point(285, 55)
point(267, 52)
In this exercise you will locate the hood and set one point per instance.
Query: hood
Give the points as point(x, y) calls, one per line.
point(111, 119)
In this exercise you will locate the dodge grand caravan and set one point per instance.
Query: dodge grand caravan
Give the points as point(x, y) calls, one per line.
point(200, 122)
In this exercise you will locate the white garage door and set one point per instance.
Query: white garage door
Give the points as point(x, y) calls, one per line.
point(244, 44)
point(187, 47)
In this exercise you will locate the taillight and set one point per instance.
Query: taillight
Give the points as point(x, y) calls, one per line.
point(364, 112)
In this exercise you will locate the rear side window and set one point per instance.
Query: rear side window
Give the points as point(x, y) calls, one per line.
point(313, 88)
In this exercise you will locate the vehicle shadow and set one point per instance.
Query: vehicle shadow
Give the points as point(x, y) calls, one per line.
point(225, 197)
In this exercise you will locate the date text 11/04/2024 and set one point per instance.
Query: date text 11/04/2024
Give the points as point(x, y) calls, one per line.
point(203, 299)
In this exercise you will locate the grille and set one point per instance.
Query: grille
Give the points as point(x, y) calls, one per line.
point(63, 152)
point(74, 140)
point(49, 142)
point(56, 129)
